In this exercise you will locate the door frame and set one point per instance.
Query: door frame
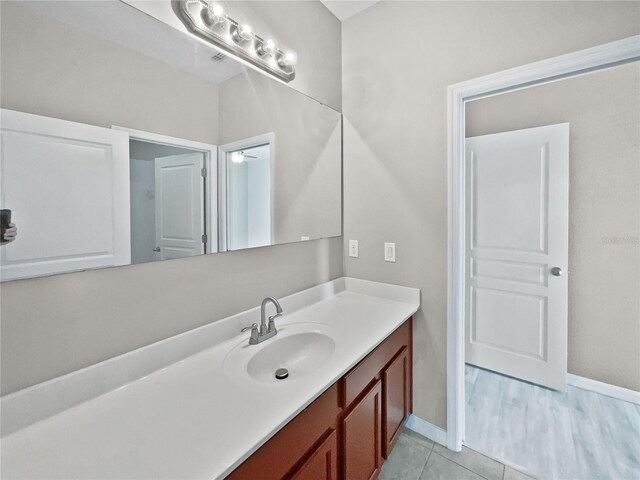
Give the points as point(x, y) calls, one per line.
point(211, 179)
point(583, 61)
point(263, 139)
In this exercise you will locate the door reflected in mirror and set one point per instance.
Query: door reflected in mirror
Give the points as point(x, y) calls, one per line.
point(168, 204)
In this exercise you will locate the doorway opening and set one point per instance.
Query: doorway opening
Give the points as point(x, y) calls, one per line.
point(529, 383)
point(172, 185)
point(248, 206)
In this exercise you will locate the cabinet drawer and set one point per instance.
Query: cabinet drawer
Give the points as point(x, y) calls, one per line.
point(279, 455)
point(368, 369)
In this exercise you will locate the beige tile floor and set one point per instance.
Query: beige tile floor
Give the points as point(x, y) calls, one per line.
point(415, 457)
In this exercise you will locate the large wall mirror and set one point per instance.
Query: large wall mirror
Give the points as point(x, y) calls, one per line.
point(125, 140)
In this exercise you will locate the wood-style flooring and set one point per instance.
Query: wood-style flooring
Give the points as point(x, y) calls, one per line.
point(548, 434)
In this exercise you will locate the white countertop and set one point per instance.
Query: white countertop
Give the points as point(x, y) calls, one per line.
point(193, 420)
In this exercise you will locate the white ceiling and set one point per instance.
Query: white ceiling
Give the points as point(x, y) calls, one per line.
point(344, 9)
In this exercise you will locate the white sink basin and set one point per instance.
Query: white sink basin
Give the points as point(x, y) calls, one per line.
point(300, 348)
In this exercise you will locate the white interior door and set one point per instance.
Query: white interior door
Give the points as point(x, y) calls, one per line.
point(517, 224)
point(67, 185)
point(179, 206)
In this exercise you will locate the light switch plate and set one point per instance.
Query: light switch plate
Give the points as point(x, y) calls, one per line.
point(389, 252)
point(353, 248)
point(304, 239)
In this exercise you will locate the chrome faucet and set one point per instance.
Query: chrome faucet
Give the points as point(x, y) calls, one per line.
point(266, 330)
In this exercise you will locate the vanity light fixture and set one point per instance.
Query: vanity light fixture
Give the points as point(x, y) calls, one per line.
point(208, 20)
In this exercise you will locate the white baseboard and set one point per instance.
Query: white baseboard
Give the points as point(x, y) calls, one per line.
point(604, 388)
point(426, 429)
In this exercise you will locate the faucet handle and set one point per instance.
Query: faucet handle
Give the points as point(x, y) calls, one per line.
point(253, 340)
point(272, 324)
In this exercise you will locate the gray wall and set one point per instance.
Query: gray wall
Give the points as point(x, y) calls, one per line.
point(394, 103)
point(307, 27)
point(51, 326)
point(307, 169)
point(604, 203)
point(75, 76)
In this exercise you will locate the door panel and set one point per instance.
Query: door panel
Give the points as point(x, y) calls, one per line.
point(323, 464)
point(527, 273)
point(362, 437)
point(179, 205)
point(395, 382)
point(508, 181)
point(497, 309)
point(517, 224)
point(67, 185)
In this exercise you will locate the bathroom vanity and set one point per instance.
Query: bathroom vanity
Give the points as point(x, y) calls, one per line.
point(350, 428)
point(206, 403)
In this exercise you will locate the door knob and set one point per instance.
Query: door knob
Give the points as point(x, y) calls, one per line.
point(157, 249)
point(556, 271)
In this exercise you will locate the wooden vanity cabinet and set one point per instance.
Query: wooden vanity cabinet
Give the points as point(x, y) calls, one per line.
point(347, 432)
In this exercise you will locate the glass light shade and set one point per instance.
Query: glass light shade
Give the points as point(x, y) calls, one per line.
point(268, 47)
point(242, 33)
point(214, 14)
point(289, 59)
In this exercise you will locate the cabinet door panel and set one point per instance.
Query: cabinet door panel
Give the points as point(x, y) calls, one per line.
point(395, 384)
point(363, 437)
point(322, 465)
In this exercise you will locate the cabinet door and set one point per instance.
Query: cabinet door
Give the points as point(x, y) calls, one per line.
point(395, 384)
point(363, 437)
point(322, 465)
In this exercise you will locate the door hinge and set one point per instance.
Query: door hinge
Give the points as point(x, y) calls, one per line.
point(204, 238)
point(203, 171)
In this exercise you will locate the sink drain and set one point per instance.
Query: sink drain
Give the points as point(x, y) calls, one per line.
point(282, 373)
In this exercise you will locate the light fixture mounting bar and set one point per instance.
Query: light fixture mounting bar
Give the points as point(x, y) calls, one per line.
point(225, 34)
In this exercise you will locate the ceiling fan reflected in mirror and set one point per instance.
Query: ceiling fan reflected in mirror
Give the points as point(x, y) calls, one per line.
point(240, 156)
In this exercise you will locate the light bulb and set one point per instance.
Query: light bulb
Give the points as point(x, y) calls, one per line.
point(237, 157)
point(288, 59)
point(267, 47)
point(242, 33)
point(214, 14)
